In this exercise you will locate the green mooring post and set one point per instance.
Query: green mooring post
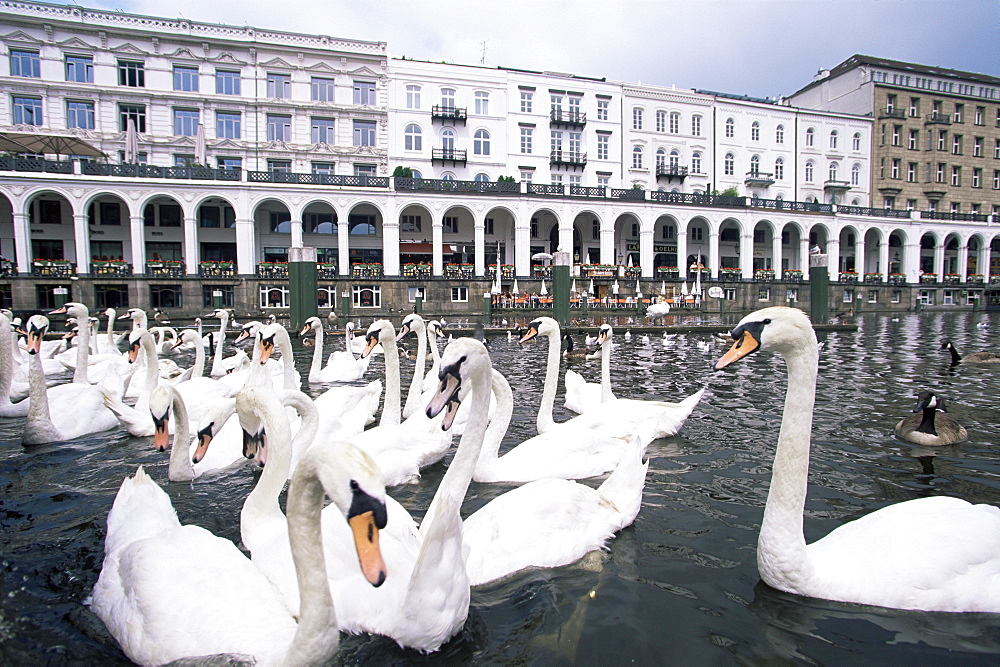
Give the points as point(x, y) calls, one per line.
point(487, 309)
point(819, 288)
point(60, 295)
point(301, 286)
point(560, 287)
point(418, 304)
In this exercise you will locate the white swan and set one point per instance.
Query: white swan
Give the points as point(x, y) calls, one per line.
point(168, 591)
point(582, 395)
point(658, 310)
point(8, 408)
point(222, 365)
point(66, 411)
point(622, 418)
point(342, 366)
point(933, 554)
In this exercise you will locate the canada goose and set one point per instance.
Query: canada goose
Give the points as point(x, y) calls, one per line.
point(569, 352)
point(974, 358)
point(931, 426)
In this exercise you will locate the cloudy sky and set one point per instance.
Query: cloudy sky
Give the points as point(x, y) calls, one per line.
point(763, 48)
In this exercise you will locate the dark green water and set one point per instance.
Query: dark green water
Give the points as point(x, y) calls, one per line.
point(680, 586)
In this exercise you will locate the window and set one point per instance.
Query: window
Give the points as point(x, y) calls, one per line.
point(364, 133)
point(696, 163)
point(165, 296)
point(280, 222)
point(755, 131)
point(361, 225)
point(527, 176)
point(959, 110)
point(912, 145)
point(185, 78)
point(25, 63)
point(977, 177)
point(574, 106)
point(319, 223)
point(911, 172)
point(833, 139)
point(279, 128)
point(980, 115)
point(637, 157)
point(856, 174)
point(208, 294)
point(279, 86)
point(755, 165)
point(575, 142)
point(661, 121)
point(779, 169)
point(809, 172)
point(942, 138)
point(996, 179)
point(229, 163)
point(227, 82)
point(956, 175)
point(730, 128)
point(273, 296)
point(894, 168)
point(696, 126)
point(977, 147)
point(603, 141)
point(956, 144)
point(481, 143)
point(412, 139)
point(448, 139)
point(459, 294)
point(322, 130)
point(763, 293)
point(136, 112)
point(779, 134)
point(595, 230)
point(321, 89)
point(555, 141)
point(555, 104)
point(364, 93)
point(526, 101)
point(526, 133)
point(482, 103)
point(366, 296)
point(896, 131)
point(873, 296)
point(227, 125)
point(80, 69)
point(675, 122)
point(602, 109)
point(675, 158)
point(996, 149)
point(417, 292)
point(131, 74)
point(449, 224)
point(637, 118)
point(409, 223)
point(80, 115)
point(810, 137)
point(833, 170)
point(412, 96)
point(856, 141)
point(185, 122)
point(729, 165)
point(914, 107)
point(940, 172)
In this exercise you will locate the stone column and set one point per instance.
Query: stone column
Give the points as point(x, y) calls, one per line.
point(191, 252)
point(81, 238)
point(437, 238)
point(343, 248)
point(22, 243)
point(137, 233)
point(246, 248)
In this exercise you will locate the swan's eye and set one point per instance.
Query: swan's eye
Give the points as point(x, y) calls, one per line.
point(767, 321)
point(355, 486)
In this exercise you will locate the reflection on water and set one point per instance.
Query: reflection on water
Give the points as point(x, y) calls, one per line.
point(679, 585)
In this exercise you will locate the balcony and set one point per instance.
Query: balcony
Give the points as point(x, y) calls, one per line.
point(472, 187)
point(759, 179)
point(731, 274)
point(552, 189)
point(110, 268)
point(889, 112)
point(568, 159)
point(567, 118)
point(873, 278)
point(129, 170)
point(848, 277)
point(35, 165)
point(631, 194)
point(459, 271)
point(8, 269)
point(766, 275)
point(897, 278)
point(928, 277)
point(449, 114)
point(170, 268)
point(419, 271)
point(599, 191)
point(670, 172)
point(57, 268)
point(326, 271)
point(937, 119)
point(874, 212)
point(351, 181)
point(792, 276)
point(956, 217)
point(836, 186)
point(273, 270)
point(216, 270)
point(449, 155)
point(369, 271)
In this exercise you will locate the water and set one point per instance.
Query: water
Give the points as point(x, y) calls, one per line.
point(678, 586)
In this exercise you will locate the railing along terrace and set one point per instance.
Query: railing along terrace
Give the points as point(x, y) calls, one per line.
point(632, 194)
point(326, 270)
point(172, 268)
point(599, 192)
point(439, 185)
point(110, 267)
point(210, 269)
point(546, 190)
point(62, 268)
point(873, 212)
point(785, 205)
point(129, 170)
point(348, 180)
point(957, 217)
point(8, 163)
point(278, 270)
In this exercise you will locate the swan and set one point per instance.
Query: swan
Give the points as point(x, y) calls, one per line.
point(169, 591)
point(8, 408)
point(582, 395)
point(434, 331)
point(221, 365)
point(342, 366)
point(621, 418)
point(628, 335)
point(932, 554)
point(931, 427)
point(658, 310)
point(399, 448)
point(974, 358)
point(645, 339)
point(136, 418)
point(415, 323)
point(63, 412)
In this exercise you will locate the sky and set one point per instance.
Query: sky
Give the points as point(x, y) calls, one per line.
point(761, 48)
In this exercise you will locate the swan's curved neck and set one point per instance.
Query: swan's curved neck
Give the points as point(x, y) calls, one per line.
point(287, 359)
point(180, 467)
point(498, 422)
point(781, 547)
point(606, 394)
point(111, 328)
point(390, 407)
point(317, 360)
point(417, 381)
point(39, 422)
point(82, 350)
point(199, 358)
point(152, 363)
point(544, 421)
point(219, 342)
point(6, 358)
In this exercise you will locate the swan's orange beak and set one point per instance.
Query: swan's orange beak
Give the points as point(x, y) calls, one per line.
point(35, 340)
point(528, 335)
point(743, 346)
point(366, 542)
point(403, 330)
point(266, 348)
point(161, 433)
point(305, 329)
point(204, 440)
point(372, 341)
point(133, 352)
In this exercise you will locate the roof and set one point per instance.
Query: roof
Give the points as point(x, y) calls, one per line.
point(858, 60)
point(48, 144)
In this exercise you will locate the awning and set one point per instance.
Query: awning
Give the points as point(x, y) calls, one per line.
point(424, 249)
point(54, 144)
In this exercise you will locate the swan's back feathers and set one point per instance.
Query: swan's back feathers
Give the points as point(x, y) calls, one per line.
point(623, 487)
point(141, 509)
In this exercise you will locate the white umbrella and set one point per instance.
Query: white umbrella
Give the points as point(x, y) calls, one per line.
point(629, 265)
point(574, 286)
point(131, 142)
point(591, 289)
point(200, 149)
point(514, 288)
point(615, 288)
point(542, 256)
point(543, 291)
point(638, 290)
point(684, 288)
point(697, 283)
point(663, 288)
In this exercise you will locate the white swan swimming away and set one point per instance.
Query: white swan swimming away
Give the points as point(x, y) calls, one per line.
point(582, 395)
point(8, 408)
point(933, 554)
point(658, 310)
point(342, 366)
point(620, 418)
point(66, 411)
point(168, 591)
